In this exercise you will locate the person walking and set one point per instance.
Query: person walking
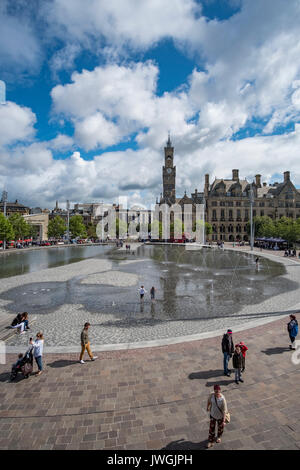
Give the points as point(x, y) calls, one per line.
point(217, 408)
point(85, 344)
point(237, 362)
point(292, 328)
point(244, 349)
point(227, 349)
point(142, 292)
point(152, 293)
point(38, 346)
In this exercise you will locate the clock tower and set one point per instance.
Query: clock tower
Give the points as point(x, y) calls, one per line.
point(169, 175)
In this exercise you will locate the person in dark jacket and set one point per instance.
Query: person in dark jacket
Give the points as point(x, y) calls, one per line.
point(292, 330)
point(227, 349)
point(21, 321)
point(237, 362)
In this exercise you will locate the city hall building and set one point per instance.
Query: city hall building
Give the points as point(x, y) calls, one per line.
point(227, 201)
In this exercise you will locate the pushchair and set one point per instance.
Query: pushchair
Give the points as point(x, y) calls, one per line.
point(24, 366)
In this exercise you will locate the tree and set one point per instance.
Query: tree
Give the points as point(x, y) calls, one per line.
point(156, 230)
point(77, 227)
point(56, 227)
point(6, 229)
point(91, 231)
point(20, 226)
point(263, 227)
point(288, 229)
point(121, 228)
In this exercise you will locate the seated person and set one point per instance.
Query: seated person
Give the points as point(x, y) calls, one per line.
point(21, 321)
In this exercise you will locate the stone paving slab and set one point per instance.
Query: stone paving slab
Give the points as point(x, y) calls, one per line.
point(155, 398)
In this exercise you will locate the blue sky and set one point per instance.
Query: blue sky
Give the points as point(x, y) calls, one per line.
point(94, 87)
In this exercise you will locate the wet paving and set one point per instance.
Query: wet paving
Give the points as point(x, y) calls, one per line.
point(26, 261)
point(189, 285)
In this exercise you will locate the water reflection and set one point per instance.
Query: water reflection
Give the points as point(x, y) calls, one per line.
point(22, 262)
point(189, 285)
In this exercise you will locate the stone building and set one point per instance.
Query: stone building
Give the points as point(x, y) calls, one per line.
point(227, 201)
point(228, 204)
point(168, 196)
point(14, 208)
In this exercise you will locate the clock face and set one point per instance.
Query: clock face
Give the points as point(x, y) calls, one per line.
point(169, 171)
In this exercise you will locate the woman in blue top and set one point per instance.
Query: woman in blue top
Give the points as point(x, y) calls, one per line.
point(292, 330)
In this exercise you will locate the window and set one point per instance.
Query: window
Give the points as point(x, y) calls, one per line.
point(238, 203)
point(214, 203)
point(214, 214)
point(262, 213)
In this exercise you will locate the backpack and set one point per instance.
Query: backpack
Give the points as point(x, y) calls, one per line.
point(294, 330)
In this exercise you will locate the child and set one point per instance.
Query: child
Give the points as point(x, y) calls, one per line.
point(237, 361)
point(142, 292)
point(244, 349)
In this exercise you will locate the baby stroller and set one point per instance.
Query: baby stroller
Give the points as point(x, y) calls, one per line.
point(24, 365)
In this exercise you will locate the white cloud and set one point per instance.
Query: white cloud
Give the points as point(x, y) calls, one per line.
point(16, 123)
point(20, 49)
point(131, 23)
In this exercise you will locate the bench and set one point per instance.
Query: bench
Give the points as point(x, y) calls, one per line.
point(5, 321)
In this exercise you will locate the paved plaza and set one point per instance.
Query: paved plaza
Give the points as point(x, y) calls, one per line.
point(156, 398)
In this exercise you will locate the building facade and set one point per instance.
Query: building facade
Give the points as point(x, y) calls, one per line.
point(227, 201)
point(228, 204)
point(14, 208)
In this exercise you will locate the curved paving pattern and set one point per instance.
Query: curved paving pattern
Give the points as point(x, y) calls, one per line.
point(156, 398)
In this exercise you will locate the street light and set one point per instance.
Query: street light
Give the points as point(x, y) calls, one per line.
point(68, 221)
point(251, 197)
point(4, 200)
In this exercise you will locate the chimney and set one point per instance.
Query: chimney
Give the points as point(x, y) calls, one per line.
point(286, 175)
point(258, 181)
point(235, 175)
point(206, 185)
point(265, 184)
point(196, 191)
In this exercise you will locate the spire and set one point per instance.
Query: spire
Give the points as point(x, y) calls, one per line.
point(169, 143)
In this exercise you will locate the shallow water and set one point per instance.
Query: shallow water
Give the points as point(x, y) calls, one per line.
point(190, 285)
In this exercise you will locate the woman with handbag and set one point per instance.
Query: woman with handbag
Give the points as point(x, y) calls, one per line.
point(217, 407)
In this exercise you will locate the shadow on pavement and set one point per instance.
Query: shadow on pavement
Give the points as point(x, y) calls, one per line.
point(206, 374)
point(220, 382)
point(181, 444)
point(62, 363)
point(272, 351)
point(5, 377)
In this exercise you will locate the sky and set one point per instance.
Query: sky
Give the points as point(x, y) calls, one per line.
point(94, 87)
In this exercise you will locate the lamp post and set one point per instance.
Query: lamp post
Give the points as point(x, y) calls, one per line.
point(68, 221)
point(251, 197)
point(4, 200)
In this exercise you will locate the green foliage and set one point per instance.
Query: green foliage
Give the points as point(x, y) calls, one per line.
point(121, 228)
point(56, 227)
point(77, 227)
point(6, 229)
point(91, 231)
point(20, 226)
point(156, 230)
point(199, 223)
point(286, 228)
